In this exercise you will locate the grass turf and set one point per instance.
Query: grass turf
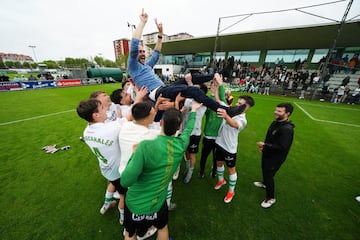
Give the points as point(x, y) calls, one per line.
point(58, 196)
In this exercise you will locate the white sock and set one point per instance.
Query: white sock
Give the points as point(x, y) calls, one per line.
point(232, 182)
point(220, 172)
point(108, 196)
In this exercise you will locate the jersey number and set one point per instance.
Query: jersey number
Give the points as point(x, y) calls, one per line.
point(99, 155)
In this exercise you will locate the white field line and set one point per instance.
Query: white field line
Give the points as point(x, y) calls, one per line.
point(316, 105)
point(326, 121)
point(37, 117)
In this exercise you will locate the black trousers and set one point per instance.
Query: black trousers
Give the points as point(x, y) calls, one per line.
point(269, 169)
point(208, 145)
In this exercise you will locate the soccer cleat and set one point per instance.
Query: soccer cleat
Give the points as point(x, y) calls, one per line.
point(229, 196)
point(268, 202)
point(259, 185)
point(151, 231)
point(106, 206)
point(187, 178)
point(233, 111)
point(357, 198)
point(201, 174)
point(219, 184)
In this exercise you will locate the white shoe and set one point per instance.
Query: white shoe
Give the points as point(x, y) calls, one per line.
point(268, 203)
point(106, 206)
point(187, 178)
point(259, 185)
point(358, 198)
point(151, 231)
point(116, 195)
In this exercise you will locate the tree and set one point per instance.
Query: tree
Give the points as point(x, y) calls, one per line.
point(9, 64)
point(51, 64)
point(26, 65)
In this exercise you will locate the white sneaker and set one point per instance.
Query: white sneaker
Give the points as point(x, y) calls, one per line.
point(151, 231)
point(358, 198)
point(268, 203)
point(188, 177)
point(106, 206)
point(116, 195)
point(259, 185)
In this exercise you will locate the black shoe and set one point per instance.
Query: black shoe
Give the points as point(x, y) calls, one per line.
point(233, 111)
point(201, 174)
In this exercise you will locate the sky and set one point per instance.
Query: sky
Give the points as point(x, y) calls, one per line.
point(87, 28)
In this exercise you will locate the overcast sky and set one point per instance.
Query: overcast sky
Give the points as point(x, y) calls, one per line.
point(86, 28)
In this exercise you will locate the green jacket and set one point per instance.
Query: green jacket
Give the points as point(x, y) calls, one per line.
point(150, 169)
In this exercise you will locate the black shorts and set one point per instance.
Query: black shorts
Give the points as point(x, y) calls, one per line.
point(139, 224)
point(223, 155)
point(194, 144)
point(121, 190)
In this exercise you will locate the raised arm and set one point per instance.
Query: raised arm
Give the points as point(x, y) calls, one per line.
point(140, 27)
point(160, 36)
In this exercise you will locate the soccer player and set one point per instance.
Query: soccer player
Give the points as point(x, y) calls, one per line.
point(149, 172)
point(226, 145)
point(102, 139)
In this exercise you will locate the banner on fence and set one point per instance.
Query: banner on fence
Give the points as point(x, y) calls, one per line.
point(6, 86)
point(69, 83)
point(38, 84)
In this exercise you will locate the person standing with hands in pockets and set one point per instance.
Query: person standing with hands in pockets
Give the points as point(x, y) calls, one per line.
point(275, 149)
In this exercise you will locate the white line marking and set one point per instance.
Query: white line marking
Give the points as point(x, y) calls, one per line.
point(316, 105)
point(37, 117)
point(326, 121)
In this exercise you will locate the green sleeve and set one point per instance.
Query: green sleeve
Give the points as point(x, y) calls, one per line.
point(185, 135)
point(222, 93)
point(134, 167)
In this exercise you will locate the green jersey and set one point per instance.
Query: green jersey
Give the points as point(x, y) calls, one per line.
point(150, 169)
point(212, 121)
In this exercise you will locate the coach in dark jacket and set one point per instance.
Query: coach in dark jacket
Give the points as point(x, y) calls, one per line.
point(274, 150)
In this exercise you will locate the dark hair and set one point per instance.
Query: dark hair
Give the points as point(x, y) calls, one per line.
point(86, 108)
point(249, 100)
point(141, 110)
point(288, 107)
point(172, 119)
point(115, 96)
point(96, 94)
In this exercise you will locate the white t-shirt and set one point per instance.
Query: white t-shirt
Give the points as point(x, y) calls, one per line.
point(228, 136)
point(102, 139)
point(199, 115)
point(131, 134)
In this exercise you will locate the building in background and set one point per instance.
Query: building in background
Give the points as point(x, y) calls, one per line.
point(121, 47)
point(13, 57)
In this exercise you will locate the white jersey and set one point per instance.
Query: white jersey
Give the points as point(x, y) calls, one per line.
point(131, 134)
point(111, 113)
point(228, 136)
point(102, 139)
point(199, 115)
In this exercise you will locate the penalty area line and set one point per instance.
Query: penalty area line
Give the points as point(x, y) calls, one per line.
point(325, 121)
point(37, 117)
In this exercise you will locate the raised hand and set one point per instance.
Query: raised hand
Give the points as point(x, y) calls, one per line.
point(159, 26)
point(144, 16)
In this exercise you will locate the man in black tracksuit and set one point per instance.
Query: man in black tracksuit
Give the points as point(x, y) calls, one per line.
point(274, 150)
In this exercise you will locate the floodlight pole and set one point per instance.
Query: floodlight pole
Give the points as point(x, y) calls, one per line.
point(33, 50)
point(216, 40)
point(323, 70)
